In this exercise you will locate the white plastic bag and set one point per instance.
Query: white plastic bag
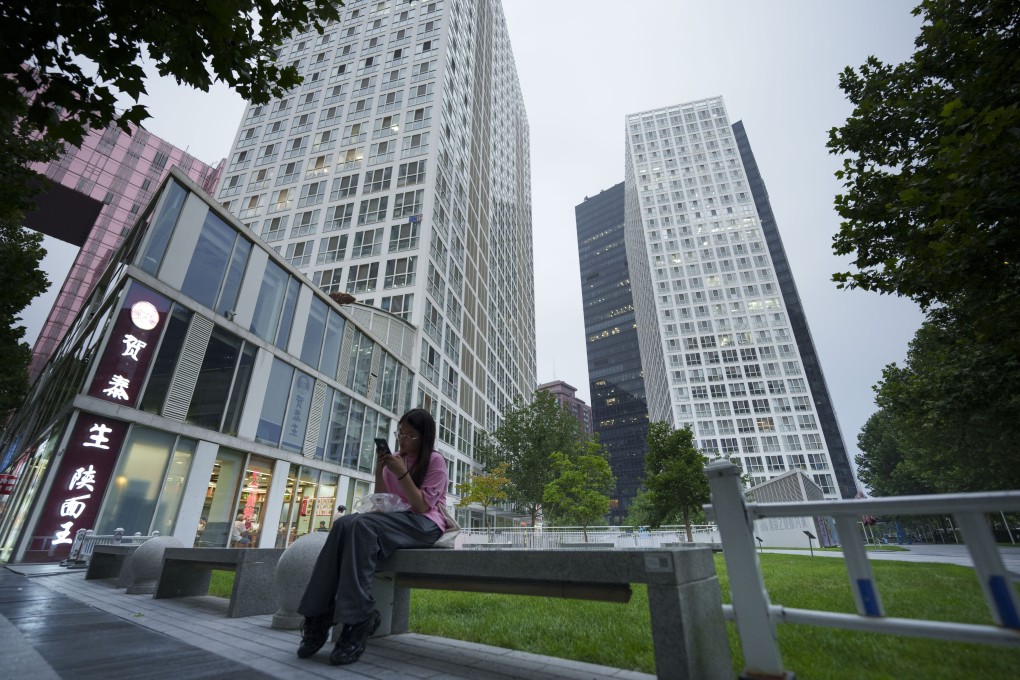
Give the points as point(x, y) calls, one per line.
point(381, 502)
point(452, 529)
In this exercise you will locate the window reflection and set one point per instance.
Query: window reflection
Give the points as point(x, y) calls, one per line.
point(251, 505)
point(220, 499)
point(137, 482)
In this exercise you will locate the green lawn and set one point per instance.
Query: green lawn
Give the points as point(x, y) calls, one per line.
point(619, 635)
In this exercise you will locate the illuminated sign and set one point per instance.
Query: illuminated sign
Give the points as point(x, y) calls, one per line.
point(7, 484)
point(131, 346)
point(79, 485)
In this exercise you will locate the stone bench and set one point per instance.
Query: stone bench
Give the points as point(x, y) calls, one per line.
point(111, 561)
point(684, 598)
point(188, 571)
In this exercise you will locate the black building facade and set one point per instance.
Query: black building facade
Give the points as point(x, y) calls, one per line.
point(618, 405)
point(798, 321)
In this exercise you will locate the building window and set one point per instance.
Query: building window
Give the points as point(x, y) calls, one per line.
point(381, 152)
point(362, 278)
point(430, 362)
point(332, 249)
point(343, 187)
point(411, 173)
point(305, 223)
point(400, 272)
point(399, 305)
point(408, 203)
point(373, 210)
point(367, 243)
point(312, 194)
point(404, 236)
point(274, 229)
point(415, 145)
point(378, 180)
point(300, 254)
point(328, 280)
point(338, 217)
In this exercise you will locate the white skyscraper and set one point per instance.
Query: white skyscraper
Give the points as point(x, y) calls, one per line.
point(399, 172)
point(725, 347)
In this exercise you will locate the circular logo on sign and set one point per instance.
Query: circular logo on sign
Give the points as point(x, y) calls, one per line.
point(144, 315)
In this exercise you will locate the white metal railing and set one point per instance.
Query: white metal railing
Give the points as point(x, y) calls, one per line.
point(547, 538)
point(756, 617)
point(85, 540)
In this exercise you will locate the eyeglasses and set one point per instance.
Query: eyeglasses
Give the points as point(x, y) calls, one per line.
point(411, 437)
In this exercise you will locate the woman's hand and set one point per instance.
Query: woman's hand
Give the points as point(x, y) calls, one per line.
point(395, 463)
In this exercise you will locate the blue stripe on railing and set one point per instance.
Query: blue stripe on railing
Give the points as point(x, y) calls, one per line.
point(1003, 601)
point(866, 588)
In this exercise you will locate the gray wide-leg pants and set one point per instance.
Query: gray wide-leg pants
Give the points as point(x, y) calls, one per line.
point(341, 583)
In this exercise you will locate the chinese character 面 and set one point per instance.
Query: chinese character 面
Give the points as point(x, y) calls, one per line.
point(132, 345)
point(73, 507)
point(64, 536)
point(83, 479)
point(117, 388)
point(98, 436)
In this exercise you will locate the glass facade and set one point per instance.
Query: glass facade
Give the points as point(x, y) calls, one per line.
point(715, 302)
point(619, 411)
point(172, 365)
point(399, 172)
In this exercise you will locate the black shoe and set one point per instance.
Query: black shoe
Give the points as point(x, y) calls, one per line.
point(351, 644)
point(314, 633)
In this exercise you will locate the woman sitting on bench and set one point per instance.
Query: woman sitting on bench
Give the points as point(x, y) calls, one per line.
point(340, 590)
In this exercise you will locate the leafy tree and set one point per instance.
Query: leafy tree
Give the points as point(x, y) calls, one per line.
point(579, 493)
point(675, 485)
point(525, 439)
point(62, 66)
point(884, 463)
point(949, 418)
point(931, 211)
point(49, 50)
point(931, 206)
point(20, 280)
point(485, 489)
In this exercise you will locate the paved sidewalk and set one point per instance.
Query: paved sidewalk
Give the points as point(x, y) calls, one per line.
point(107, 634)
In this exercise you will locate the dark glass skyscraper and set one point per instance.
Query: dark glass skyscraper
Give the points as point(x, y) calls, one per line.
point(614, 360)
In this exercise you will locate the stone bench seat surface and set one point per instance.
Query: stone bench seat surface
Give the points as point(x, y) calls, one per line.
point(652, 566)
point(222, 557)
point(102, 549)
point(684, 599)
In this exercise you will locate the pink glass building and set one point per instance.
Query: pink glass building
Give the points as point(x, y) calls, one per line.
point(113, 174)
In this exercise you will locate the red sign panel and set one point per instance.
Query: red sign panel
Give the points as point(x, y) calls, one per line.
point(131, 346)
point(78, 488)
point(7, 484)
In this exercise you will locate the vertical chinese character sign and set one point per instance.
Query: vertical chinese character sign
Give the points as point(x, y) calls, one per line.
point(131, 346)
point(91, 454)
point(79, 485)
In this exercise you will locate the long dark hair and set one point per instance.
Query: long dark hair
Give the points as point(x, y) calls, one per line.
point(423, 422)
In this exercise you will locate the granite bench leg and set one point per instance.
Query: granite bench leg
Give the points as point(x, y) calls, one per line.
point(689, 631)
point(103, 565)
point(393, 603)
point(181, 578)
point(253, 586)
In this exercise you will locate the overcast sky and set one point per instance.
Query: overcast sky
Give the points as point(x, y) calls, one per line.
point(583, 66)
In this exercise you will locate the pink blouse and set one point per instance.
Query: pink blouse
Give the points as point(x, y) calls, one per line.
point(433, 487)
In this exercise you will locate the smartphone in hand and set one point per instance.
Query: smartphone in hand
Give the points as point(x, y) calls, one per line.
point(382, 445)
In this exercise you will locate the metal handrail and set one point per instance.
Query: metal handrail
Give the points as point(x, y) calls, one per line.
point(756, 616)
